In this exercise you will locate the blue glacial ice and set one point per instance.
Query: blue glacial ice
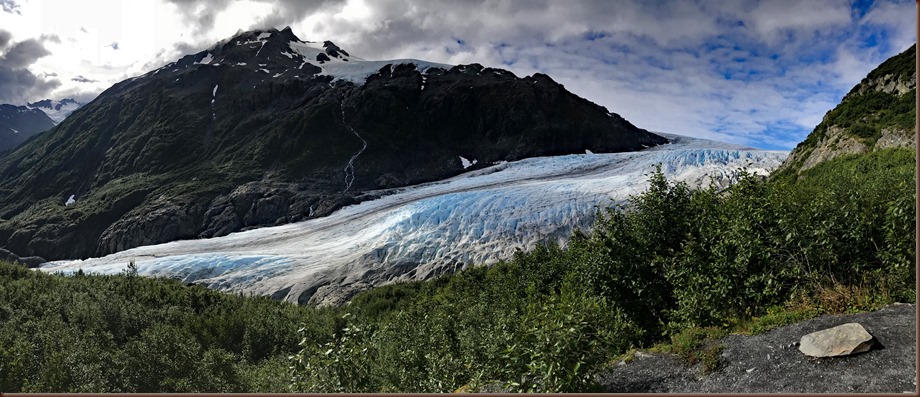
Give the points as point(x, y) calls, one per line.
point(479, 217)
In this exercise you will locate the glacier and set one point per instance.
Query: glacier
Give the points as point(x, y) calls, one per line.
point(418, 232)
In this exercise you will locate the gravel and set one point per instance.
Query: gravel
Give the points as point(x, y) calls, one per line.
point(771, 362)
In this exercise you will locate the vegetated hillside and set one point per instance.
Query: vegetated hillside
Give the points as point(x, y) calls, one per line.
point(266, 129)
point(837, 236)
point(877, 113)
point(677, 266)
point(761, 254)
point(124, 334)
point(18, 124)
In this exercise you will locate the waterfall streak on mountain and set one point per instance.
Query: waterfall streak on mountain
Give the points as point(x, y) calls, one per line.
point(350, 167)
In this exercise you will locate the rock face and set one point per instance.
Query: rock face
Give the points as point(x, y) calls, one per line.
point(878, 113)
point(252, 132)
point(19, 123)
point(842, 340)
point(29, 261)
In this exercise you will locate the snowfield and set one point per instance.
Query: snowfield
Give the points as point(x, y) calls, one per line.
point(418, 232)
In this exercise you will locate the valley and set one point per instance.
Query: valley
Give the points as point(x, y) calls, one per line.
point(420, 232)
point(264, 212)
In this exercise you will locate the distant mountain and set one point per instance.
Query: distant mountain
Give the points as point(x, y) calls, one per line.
point(877, 113)
point(57, 111)
point(265, 129)
point(19, 123)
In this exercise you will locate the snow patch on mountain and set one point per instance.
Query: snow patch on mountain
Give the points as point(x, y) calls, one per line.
point(56, 111)
point(206, 60)
point(466, 163)
point(358, 72)
point(417, 232)
point(352, 68)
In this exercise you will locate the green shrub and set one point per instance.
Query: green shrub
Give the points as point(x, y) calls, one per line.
point(674, 264)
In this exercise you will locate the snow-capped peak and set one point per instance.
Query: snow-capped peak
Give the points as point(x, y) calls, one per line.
point(56, 111)
point(332, 59)
point(281, 53)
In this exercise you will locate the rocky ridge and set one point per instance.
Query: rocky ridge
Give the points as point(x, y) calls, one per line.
point(19, 123)
point(878, 113)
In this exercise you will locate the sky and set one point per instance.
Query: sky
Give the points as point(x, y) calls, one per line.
point(759, 73)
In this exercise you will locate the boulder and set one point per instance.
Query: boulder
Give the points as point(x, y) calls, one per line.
point(29, 261)
point(8, 256)
point(842, 340)
point(32, 262)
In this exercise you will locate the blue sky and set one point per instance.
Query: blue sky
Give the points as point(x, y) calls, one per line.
point(760, 73)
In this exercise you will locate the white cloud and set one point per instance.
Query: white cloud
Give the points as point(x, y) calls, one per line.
point(900, 17)
point(770, 19)
point(756, 72)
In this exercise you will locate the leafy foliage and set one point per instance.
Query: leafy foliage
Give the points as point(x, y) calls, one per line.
point(674, 265)
point(131, 334)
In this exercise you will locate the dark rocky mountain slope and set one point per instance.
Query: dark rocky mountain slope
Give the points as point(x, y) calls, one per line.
point(18, 124)
point(265, 129)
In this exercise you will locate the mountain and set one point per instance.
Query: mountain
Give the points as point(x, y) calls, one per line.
point(422, 231)
point(877, 113)
point(19, 123)
point(265, 129)
point(57, 111)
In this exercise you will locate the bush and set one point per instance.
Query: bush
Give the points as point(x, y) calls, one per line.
point(673, 265)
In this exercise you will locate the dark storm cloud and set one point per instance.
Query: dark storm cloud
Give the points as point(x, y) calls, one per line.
point(167, 55)
point(18, 84)
point(10, 6)
point(289, 12)
point(81, 79)
point(23, 54)
point(200, 14)
point(394, 25)
point(4, 38)
point(50, 37)
point(739, 61)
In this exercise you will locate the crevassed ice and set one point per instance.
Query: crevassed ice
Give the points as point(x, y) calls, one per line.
point(478, 217)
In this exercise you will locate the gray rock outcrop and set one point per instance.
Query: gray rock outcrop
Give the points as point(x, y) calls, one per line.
point(842, 340)
point(29, 261)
